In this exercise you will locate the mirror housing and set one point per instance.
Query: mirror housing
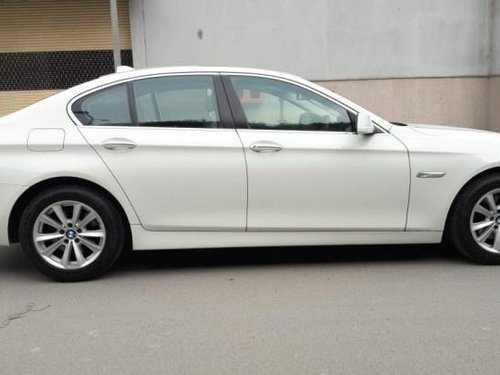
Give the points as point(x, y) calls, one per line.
point(364, 124)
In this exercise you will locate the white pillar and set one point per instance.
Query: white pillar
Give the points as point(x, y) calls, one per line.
point(115, 33)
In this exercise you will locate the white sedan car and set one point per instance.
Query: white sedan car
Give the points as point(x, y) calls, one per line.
point(187, 157)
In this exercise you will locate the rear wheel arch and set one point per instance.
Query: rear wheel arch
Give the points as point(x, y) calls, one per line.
point(23, 201)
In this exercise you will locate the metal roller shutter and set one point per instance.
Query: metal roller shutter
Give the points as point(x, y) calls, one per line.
point(49, 45)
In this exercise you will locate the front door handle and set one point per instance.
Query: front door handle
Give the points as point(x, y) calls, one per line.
point(119, 144)
point(265, 146)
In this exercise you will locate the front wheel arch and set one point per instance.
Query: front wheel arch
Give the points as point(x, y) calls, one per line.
point(483, 174)
point(23, 201)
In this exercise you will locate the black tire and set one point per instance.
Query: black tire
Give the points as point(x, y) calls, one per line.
point(115, 231)
point(458, 233)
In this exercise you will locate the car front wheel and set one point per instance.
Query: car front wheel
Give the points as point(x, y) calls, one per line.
point(474, 227)
point(72, 233)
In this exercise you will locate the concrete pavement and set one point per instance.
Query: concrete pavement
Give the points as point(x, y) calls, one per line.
point(356, 310)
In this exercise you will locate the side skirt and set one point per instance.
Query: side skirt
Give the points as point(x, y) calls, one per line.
point(148, 240)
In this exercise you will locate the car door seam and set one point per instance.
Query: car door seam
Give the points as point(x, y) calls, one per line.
point(231, 110)
point(247, 184)
point(409, 180)
point(112, 174)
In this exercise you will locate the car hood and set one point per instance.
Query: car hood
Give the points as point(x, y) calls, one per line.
point(436, 139)
point(451, 131)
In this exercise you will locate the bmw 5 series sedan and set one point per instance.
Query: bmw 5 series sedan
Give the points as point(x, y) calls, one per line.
point(184, 157)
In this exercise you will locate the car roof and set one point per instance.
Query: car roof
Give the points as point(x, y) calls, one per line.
point(199, 69)
point(133, 73)
point(126, 73)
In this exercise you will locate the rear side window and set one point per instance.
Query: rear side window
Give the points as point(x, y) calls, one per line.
point(176, 102)
point(106, 107)
point(167, 102)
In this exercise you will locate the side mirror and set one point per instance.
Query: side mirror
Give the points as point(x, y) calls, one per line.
point(364, 124)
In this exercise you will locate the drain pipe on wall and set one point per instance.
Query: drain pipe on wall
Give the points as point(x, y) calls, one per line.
point(115, 34)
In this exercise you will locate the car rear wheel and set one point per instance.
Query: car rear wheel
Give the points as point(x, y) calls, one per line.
point(72, 233)
point(474, 227)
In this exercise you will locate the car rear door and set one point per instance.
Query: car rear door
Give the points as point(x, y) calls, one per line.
point(171, 144)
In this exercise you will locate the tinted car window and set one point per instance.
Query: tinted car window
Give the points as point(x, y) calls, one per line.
point(106, 107)
point(276, 105)
point(181, 102)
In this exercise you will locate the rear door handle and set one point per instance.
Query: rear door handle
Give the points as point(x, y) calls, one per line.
point(119, 144)
point(266, 146)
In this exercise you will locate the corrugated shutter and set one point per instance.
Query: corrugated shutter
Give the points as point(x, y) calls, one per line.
point(28, 26)
point(60, 25)
point(11, 101)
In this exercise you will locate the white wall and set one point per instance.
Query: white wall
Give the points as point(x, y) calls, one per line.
point(320, 39)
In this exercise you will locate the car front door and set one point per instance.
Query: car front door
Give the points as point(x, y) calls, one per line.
point(307, 168)
point(171, 144)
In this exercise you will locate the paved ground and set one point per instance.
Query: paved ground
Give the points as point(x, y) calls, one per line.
point(366, 310)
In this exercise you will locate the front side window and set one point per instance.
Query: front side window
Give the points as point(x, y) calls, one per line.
point(271, 104)
point(106, 107)
point(180, 102)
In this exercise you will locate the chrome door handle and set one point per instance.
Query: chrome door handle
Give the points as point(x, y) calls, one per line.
point(119, 144)
point(266, 147)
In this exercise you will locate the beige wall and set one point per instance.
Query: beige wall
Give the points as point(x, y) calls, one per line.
point(468, 102)
point(495, 104)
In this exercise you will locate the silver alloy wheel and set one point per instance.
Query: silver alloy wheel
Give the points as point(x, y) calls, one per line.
point(69, 235)
point(485, 222)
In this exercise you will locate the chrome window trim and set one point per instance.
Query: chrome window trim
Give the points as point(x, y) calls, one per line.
point(75, 120)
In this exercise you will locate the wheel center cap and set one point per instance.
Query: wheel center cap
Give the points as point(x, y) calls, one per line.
point(71, 234)
point(498, 220)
